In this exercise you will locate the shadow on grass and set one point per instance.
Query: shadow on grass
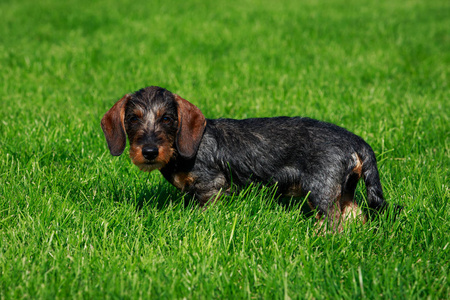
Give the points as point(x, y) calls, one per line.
point(160, 194)
point(157, 194)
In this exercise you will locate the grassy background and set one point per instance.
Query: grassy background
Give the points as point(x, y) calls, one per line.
point(77, 223)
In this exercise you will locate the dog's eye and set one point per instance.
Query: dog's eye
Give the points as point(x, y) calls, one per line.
point(134, 119)
point(166, 120)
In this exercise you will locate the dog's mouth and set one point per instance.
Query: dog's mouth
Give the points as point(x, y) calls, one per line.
point(148, 158)
point(145, 159)
point(146, 165)
point(149, 166)
point(151, 161)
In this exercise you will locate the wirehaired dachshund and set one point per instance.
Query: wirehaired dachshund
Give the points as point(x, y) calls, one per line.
point(205, 157)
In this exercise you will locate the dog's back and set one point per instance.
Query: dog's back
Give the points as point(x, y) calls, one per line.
point(286, 150)
point(204, 157)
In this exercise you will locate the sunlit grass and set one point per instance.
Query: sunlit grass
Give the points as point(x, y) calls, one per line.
point(78, 223)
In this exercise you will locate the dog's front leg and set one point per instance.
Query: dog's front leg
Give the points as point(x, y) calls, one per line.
point(207, 192)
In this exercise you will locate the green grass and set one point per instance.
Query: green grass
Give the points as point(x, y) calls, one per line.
point(78, 223)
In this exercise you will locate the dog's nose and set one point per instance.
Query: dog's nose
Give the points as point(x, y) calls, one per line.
point(150, 153)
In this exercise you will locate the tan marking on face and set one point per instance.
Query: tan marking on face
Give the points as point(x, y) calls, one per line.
point(358, 168)
point(136, 150)
point(138, 112)
point(139, 160)
point(136, 155)
point(160, 113)
point(165, 153)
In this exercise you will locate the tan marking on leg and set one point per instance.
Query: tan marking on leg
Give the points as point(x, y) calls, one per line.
point(320, 227)
point(358, 168)
point(180, 180)
point(351, 211)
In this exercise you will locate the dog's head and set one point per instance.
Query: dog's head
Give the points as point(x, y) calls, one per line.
point(159, 126)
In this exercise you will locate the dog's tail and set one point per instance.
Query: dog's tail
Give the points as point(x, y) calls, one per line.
point(375, 198)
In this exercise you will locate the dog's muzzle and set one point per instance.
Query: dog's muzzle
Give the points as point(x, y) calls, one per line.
point(150, 153)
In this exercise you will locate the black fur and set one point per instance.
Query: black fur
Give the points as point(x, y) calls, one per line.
point(300, 155)
point(289, 151)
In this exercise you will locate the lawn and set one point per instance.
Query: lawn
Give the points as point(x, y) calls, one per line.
point(76, 222)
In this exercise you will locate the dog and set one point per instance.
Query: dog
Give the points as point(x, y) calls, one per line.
point(206, 157)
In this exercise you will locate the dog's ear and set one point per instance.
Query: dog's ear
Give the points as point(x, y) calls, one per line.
point(191, 125)
point(114, 128)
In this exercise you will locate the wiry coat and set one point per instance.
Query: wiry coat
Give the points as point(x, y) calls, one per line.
point(206, 156)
